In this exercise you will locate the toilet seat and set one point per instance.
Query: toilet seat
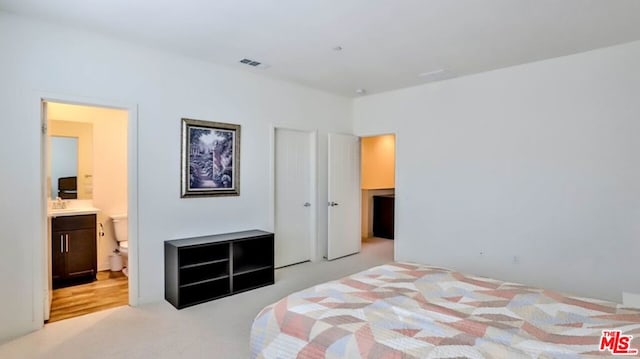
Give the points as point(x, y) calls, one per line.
point(124, 247)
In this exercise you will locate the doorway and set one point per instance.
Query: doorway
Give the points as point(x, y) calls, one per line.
point(88, 185)
point(378, 187)
point(294, 196)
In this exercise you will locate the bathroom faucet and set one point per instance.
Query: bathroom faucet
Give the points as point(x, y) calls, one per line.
point(59, 204)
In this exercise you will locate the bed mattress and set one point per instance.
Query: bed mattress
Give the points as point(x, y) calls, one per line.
point(404, 310)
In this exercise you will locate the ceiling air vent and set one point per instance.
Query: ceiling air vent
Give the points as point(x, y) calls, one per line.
point(437, 75)
point(254, 63)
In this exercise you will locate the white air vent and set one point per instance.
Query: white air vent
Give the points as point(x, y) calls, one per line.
point(254, 63)
point(437, 75)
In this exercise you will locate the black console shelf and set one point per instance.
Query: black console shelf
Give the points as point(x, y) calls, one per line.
point(201, 269)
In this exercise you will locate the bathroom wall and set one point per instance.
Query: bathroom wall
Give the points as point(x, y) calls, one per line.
point(110, 175)
point(109, 157)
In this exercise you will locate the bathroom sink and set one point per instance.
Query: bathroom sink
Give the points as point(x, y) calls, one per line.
point(63, 209)
point(73, 211)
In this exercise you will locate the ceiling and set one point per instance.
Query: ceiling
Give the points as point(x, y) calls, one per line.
point(386, 44)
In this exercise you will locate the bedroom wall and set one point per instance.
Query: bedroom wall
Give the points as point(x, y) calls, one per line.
point(42, 58)
point(527, 174)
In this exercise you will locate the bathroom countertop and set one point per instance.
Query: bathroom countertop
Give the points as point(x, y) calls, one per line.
point(72, 211)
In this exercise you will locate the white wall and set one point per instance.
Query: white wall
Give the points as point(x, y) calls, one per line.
point(39, 58)
point(528, 174)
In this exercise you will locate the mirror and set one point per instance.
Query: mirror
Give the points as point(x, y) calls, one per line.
point(71, 160)
point(64, 167)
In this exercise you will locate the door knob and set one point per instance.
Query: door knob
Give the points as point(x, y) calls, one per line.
point(307, 204)
point(333, 204)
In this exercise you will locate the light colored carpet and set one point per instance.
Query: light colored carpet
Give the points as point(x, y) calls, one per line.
point(217, 329)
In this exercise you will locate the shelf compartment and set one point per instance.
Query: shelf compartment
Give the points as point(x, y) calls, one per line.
point(252, 253)
point(205, 291)
point(204, 281)
point(198, 273)
point(204, 253)
point(250, 268)
point(187, 266)
point(253, 279)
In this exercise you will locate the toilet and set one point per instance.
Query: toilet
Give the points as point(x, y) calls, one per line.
point(120, 225)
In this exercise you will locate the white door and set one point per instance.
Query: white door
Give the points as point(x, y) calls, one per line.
point(46, 183)
point(294, 194)
point(344, 196)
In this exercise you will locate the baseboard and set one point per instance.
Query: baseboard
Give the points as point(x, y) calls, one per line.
point(631, 300)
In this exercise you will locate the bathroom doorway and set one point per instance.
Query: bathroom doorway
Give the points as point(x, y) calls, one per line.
point(377, 176)
point(86, 160)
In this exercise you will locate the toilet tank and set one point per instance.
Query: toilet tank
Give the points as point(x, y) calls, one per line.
point(120, 225)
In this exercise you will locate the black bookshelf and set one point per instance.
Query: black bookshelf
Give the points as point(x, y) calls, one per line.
point(201, 269)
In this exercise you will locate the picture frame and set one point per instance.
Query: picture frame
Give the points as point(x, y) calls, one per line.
point(210, 159)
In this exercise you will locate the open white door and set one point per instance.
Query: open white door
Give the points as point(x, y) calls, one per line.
point(344, 196)
point(294, 194)
point(46, 183)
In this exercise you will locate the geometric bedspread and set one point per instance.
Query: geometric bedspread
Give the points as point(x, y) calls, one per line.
point(403, 310)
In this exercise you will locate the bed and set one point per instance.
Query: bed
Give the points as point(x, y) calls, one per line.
point(405, 310)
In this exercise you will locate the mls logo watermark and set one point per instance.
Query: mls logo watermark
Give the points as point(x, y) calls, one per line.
point(617, 343)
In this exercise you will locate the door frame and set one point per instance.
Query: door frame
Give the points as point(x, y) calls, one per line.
point(40, 280)
point(314, 183)
point(395, 181)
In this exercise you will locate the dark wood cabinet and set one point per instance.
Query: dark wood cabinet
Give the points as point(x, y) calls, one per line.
point(201, 269)
point(58, 254)
point(383, 216)
point(73, 250)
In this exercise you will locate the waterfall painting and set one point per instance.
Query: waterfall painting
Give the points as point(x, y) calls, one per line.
point(210, 159)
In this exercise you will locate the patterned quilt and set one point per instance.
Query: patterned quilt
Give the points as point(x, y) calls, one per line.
point(403, 310)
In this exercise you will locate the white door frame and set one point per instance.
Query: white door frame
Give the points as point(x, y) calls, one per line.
point(314, 184)
point(395, 181)
point(40, 270)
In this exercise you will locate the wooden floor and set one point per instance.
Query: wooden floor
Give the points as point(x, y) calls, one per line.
point(111, 289)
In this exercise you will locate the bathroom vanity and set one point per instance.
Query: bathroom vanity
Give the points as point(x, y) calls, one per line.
point(73, 247)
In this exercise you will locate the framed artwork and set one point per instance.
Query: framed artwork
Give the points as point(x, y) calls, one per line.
point(210, 163)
